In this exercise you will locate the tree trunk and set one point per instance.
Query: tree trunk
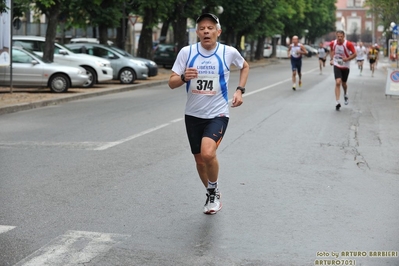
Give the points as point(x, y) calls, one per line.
point(260, 46)
point(103, 34)
point(52, 17)
point(145, 42)
point(164, 31)
point(180, 28)
point(119, 38)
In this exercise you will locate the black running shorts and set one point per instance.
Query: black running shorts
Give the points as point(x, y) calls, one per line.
point(296, 64)
point(341, 73)
point(197, 128)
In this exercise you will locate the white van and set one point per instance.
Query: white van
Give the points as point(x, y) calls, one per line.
point(98, 69)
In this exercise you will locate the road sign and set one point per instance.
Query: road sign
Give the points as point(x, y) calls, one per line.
point(395, 30)
point(392, 85)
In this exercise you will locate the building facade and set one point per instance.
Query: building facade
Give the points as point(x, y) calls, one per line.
point(359, 24)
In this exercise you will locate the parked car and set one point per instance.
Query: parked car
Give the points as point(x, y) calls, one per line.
point(29, 69)
point(281, 51)
point(91, 40)
point(126, 68)
point(98, 69)
point(311, 51)
point(165, 54)
point(267, 50)
point(151, 65)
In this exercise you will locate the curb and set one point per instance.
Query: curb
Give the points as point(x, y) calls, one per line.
point(44, 103)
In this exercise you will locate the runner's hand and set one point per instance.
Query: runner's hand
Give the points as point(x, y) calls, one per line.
point(237, 99)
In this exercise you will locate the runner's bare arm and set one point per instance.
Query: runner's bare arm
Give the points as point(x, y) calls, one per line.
point(176, 80)
point(303, 49)
point(237, 97)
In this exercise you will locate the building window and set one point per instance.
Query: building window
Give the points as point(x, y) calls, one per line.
point(350, 3)
point(368, 14)
point(369, 25)
point(339, 14)
point(359, 3)
point(354, 14)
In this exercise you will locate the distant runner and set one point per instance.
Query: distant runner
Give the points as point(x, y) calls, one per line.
point(295, 52)
point(322, 57)
point(361, 54)
point(373, 57)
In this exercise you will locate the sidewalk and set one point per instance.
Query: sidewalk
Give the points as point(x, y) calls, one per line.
point(28, 98)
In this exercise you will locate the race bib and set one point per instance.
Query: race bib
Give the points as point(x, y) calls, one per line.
point(339, 60)
point(205, 85)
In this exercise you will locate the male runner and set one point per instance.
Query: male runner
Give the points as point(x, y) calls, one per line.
point(295, 52)
point(341, 52)
point(204, 69)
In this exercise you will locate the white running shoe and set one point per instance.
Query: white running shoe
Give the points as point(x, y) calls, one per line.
point(346, 99)
point(212, 204)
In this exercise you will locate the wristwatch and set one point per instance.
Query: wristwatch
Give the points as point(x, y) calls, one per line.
point(183, 78)
point(241, 89)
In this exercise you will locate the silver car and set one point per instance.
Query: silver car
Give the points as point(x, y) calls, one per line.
point(126, 69)
point(29, 69)
point(98, 69)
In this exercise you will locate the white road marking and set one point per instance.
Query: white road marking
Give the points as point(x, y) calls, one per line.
point(115, 143)
point(72, 248)
point(5, 228)
point(85, 145)
point(275, 84)
point(100, 146)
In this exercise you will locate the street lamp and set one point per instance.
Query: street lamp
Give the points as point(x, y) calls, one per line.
point(306, 35)
point(124, 23)
point(393, 48)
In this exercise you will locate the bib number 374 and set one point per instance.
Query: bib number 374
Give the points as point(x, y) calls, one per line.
point(206, 85)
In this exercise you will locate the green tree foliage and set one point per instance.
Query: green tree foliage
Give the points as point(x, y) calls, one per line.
point(386, 11)
point(254, 19)
point(319, 19)
point(3, 6)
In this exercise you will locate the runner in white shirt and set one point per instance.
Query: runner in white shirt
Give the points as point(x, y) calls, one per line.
point(322, 51)
point(204, 69)
point(361, 52)
point(341, 53)
point(295, 52)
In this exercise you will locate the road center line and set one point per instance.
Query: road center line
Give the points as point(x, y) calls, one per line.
point(145, 132)
point(115, 143)
point(5, 228)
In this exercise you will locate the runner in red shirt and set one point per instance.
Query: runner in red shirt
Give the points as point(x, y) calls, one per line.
point(341, 53)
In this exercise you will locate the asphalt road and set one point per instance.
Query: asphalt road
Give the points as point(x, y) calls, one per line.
point(110, 180)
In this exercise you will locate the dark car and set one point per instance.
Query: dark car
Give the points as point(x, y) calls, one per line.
point(165, 54)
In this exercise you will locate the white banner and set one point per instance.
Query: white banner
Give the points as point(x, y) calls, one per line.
point(5, 35)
